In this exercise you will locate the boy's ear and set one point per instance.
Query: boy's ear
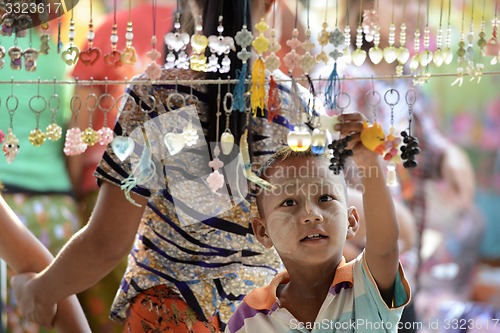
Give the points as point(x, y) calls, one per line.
point(259, 230)
point(353, 220)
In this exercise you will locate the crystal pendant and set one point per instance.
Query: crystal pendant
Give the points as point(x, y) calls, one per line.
point(376, 54)
point(358, 57)
point(226, 143)
point(299, 139)
point(122, 147)
point(390, 54)
point(318, 145)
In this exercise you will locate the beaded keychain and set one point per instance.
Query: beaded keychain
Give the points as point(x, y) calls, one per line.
point(426, 55)
point(403, 54)
point(153, 71)
point(493, 47)
point(308, 62)
point(415, 59)
point(91, 54)
point(220, 45)
point(122, 145)
point(390, 52)
point(469, 52)
point(292, 59)
point(461, 54)
point(199, 43)
point(359, 55)
point(73, 143)
point(438, 54)
point(105, 133)
point(177, 42)
point(44, 37)
point(30, 56)
point(323, 37)
point(54, 131)
point(392, 142)
point(481, 42)
point(89, 135)
point(337, 38)
point(244, 39)
point(36, 136)
point(129, 54)
point(371, 26)
point(410, 147)
point(257, 90)
point(114, 57)
point(71, 54)
point(272, 63)
point(448, 53)
point(339, 149)
point(216, 180)
point(10, 146)
point(227, 138)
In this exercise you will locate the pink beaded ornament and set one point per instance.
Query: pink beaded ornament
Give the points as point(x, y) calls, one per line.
point(73, 143)
point(54, 131)
point(105, 133)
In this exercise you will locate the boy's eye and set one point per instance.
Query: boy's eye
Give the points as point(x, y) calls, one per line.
point(325, 198)
point(288, 203)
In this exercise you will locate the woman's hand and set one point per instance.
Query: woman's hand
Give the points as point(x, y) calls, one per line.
point(31, 305)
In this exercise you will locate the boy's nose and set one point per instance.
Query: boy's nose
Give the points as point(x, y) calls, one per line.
point(312, 216)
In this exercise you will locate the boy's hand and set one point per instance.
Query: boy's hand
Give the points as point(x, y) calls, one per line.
point(352, 124)
point(34, 310)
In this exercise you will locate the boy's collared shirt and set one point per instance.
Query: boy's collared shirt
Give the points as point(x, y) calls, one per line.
point(353, 304)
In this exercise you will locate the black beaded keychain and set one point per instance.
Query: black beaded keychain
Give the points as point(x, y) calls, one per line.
point(339, 147)
point(410, 148)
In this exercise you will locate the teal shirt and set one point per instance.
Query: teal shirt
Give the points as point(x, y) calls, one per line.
point(39, 169)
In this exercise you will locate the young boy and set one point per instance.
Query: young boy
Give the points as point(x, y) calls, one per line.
point(306, 219)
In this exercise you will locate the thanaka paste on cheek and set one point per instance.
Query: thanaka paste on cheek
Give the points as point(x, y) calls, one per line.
point(282, 229)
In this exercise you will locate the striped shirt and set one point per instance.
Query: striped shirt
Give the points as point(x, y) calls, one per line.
point(353, 304)
point(189, 238)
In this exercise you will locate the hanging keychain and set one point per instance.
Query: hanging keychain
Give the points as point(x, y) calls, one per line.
point(244, 39)
point(227, 138)
point(332, 88)
point(3, 53)
point(339, 149)
point(16, 56)
point(482, 44)
point(426, 55)
point(216, 180)
point(220, 45)
point(469, 52)
point(410, 147)
point(257, 90)
point(30, 56)
point(390, 52)
point(370, 18)
point(73, 143)
point(308, 61)
point(359, 55)
point(105, 133)
point(123, 145)
point(300, 138)
point(153, 71)
point(448, 53)
point(415, 59)
point(461, 53)
point(272, 64)
point(392, 142)
point(89, 135)
point(292, 59)
point(199, 43)
point(403, 54)
point(54, 131)
point(36, 136)
point(44, 37)
point(323, 37)
point(91, 54)
point(318, 136)
point(438, 58)
point(493, 47)
point(71, 54)
point(10, 146)
point(8, 24)
point(177, 42)
point(129, 55)
point(114, 58)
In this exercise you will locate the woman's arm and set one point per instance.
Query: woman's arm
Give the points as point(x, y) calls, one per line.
point(87, 257)
point(24, 253)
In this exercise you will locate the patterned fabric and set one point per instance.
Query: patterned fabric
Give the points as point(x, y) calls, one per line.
point(188, 239)
point(353, 304)
point(52, 219)
point(160, 309)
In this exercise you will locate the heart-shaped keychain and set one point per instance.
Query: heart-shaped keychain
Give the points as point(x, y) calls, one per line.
point(174, 142)
point(122, 147)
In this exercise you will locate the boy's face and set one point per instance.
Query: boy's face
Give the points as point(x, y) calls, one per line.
point(305, 216)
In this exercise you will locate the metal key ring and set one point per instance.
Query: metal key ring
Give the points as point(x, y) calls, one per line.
point(339, 99)
point(103, 96)
point(57, 99)
point(38, 97)
point(11, 110)
point(75, 98)
point(96, 101)
point(392, 90)
point(376, 98)
point(151, 108)
point(411, 96)
point(228, 96)
point(176, 95)
point(124, 98)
